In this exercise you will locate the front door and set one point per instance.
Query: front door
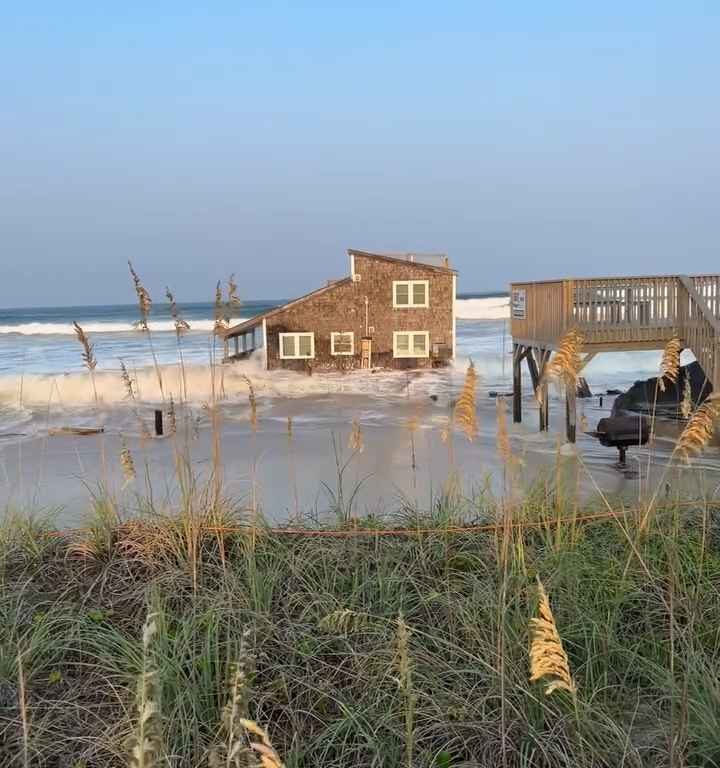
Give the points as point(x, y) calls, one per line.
point(365, 353)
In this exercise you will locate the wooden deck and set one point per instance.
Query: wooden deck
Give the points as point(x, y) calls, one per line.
point(616, 314)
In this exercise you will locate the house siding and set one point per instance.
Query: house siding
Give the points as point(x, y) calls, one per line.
point(342, 308)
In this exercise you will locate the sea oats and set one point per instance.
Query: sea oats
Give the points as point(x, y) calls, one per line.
point(181, 325)
point(344, 621)
point(221, 323)
point(465, 408)
point(127, 382)
point(233, 298)
point(548, 660)
point(261, 744)
point(252, 402)
point(145, 744)
point(701, 427)
point(566, 364)
point(686, 405)
point(670, 363)
point(88, 354)
point(144, 300)
point(127, 464)
point(504, 448)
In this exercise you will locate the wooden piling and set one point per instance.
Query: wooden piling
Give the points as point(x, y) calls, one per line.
point(517, 383)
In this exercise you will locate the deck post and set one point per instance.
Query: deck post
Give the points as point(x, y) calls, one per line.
point(570, 413)
point(536, 360)
point(517, 383)
point(544, 355)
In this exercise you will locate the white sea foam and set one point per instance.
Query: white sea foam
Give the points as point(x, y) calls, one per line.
point(492, 308)
point(66, 329)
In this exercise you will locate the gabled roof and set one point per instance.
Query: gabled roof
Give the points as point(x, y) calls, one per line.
point(253, 322)
point(415, 259)
point(435, 262)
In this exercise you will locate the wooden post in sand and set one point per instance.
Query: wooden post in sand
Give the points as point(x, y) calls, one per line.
point(517, 383)
point(570, 413)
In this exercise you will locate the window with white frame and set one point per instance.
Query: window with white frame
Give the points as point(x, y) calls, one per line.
point(411, 293)
point(411, 344)
point(297, 346)
point(342, 343)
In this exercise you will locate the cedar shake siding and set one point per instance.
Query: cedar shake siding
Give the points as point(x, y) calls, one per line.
point(363, 304)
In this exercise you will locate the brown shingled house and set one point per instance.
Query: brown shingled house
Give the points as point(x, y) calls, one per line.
point(393, 311)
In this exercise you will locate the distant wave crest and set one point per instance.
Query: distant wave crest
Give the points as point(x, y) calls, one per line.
point(492, 308)
point(66, 329)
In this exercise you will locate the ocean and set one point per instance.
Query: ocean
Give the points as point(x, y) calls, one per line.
point(44, 386)
point(42, 372)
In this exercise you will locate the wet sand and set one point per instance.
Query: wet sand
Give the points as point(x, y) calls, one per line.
point(59, 473)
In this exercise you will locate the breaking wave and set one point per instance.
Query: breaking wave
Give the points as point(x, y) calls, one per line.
point(66, 329)
point(491, 308)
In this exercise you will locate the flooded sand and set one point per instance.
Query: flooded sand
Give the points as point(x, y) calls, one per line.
point(288, 476)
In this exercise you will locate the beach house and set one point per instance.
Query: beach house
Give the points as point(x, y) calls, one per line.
point(394, 310)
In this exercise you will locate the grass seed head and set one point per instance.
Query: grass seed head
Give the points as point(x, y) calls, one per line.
point(221, 323)
point(670, 363)
point(345, 621)
point(252, 400)
point(127, 464)
point(260, 743)
point(144, 300)
point(233, 298)
point(504, 448)
point(466, 406)
point(686, 404)
point(181, 325)
point(88, 354)
point(566, 364)
point(127, 381)
point(145, 744)
point(701, 427)
point(548, 660)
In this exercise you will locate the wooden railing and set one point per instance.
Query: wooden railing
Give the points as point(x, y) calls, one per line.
point(700, 329)
point(623, 313)
point(708, 287)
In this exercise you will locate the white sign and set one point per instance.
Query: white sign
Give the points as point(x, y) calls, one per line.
point(519, 300)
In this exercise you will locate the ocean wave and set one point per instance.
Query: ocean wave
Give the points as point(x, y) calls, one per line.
point(493, 308)
point(66, 329)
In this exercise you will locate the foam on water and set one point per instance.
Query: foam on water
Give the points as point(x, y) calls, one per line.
point(41, 369)
point(67, 329)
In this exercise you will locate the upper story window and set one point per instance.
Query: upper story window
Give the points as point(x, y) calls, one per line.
point(411, 293)
point(297, 346)
point(342, 343)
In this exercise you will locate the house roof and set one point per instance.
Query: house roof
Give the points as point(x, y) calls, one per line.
point(253, 322)
point(416, 259)
point(436, 262)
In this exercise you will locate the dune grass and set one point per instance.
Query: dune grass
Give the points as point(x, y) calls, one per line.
point(362, 651)
point(525, 631)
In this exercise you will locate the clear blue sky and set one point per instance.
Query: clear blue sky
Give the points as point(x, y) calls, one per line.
point(526, 139)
